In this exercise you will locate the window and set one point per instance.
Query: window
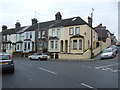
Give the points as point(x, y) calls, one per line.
point(77, 30)
point(56, 44)
point(44, 44)
point(7, 46)
point(30, 34)
point(28, 45)
point(39, 34)
point(53, 32)
point(52, 44)
point(71, 31)
point(26, 35)
point(58, 32)
point(17, 47)
point(88, 43)
point(10, 46)
point(43, 34)
point(41, 44)
point(21, 46)
point(80, 44)
point(97, 44)
point(25, 45)
point(74, 44)
point(32, 45)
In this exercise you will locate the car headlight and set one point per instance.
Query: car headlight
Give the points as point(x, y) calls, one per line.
point(110, 54)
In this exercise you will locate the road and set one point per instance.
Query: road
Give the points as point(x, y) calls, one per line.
point(63, 74)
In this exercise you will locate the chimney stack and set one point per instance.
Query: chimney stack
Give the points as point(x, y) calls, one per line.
point(58, 16)
point(34, 21)
point(90, 21)
point(17, 25)
point(101, 26)
point(4, 27)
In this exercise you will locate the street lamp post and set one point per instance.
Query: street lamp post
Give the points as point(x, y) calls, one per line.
point(36, 34)
point(91, 33)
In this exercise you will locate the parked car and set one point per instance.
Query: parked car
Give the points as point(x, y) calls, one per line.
point(6, 62)
point(118, 44)
point(38, 56)
point(114, 47)
point(108, 53)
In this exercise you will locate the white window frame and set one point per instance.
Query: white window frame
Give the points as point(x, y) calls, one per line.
point(58, 32)
point(71, 31)
point(56, 44)
point(77, 30)
point(53, 32)
point(43, 34)
point(74, 45)
point(52, 44)
point(80, 44)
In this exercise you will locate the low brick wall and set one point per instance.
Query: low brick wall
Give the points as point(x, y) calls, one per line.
point(85, 56)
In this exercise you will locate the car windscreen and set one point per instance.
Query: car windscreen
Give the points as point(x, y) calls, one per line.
point(4, 57)
point(106, 51)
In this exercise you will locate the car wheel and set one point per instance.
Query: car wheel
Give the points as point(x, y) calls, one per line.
point(30, 58)
point(39, 58)
point(113, 56)
point(12, 70)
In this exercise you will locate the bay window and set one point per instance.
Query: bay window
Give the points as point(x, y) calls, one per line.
point(51, 44)
point(74, 44)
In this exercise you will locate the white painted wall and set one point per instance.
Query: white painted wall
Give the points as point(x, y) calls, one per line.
point(32, 40)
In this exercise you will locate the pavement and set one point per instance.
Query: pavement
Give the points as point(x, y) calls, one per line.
point(98, 57)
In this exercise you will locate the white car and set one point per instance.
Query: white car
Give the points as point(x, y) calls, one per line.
point(38, 56)
point(115, 48)
point(108, 53)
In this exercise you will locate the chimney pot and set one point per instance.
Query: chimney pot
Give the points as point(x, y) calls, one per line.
point(4, 27)
point(58, 16)
point(90, 21)
point(17, 25)
point(34, 21)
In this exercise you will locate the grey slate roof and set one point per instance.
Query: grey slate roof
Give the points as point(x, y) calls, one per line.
point(42, 25)
point(11, 31)
point(69, 22)
point(48, 24)
point(102, 34)
point(23, 29)
point(58, 23)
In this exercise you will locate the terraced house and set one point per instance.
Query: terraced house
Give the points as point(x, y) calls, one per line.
point(9, 37)
point(71, 39)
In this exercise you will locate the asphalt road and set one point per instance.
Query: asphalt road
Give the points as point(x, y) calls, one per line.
point(63, 74)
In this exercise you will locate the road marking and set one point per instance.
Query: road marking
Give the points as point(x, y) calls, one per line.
point(47, 70)
point(88, 86)
point(104, 69)
point(107, 65)
point(27, 64)
point(97, 68)
point(113, 70)
point(89, 67)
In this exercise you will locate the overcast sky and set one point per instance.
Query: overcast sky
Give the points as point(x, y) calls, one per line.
point(105, 11)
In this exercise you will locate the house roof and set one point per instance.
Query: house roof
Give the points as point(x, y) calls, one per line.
point(58, 23)
point(102, 33)
point(42, 25)
point(11, 31)
point(48, 24)
point(69, 22)
point(23, 29)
